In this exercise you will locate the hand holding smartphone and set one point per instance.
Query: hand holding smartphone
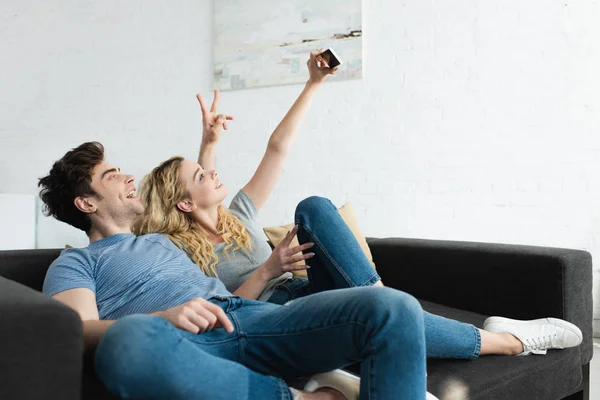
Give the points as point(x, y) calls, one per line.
point(328, 59)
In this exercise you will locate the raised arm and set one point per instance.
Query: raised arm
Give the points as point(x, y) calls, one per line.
point(269, 170)
point(212, 125)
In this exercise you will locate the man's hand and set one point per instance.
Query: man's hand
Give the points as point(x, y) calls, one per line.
point(283, 257)
point(197, 316)
point(318, 74)
point(212, 122)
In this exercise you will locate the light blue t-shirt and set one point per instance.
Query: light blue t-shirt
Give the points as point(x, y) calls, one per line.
point(131, 275)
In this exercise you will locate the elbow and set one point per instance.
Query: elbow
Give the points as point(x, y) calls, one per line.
point(278, 147)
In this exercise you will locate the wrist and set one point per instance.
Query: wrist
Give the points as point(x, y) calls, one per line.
point(208, 141)
point(264, 274)
point(313, 83)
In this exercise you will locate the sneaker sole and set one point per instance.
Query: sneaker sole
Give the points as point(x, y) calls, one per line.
point(491, 321)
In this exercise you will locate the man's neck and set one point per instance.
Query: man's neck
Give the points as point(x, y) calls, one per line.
point(104, 231)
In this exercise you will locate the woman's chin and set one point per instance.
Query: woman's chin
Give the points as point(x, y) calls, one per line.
point(222, 192)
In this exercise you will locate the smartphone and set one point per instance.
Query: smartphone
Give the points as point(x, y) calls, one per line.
point(330, 58)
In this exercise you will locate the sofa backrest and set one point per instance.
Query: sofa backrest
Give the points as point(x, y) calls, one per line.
point(27, 267)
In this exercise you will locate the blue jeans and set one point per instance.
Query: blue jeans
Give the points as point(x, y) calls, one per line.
point(339, 262)
point(144, 356)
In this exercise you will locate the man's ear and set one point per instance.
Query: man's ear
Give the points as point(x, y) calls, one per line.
point(186, 205)
point(85, 204)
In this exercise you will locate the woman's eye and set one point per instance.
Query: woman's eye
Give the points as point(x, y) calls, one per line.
point(201, 177)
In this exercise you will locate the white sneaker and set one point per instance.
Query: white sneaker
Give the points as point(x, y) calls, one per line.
point(537, 335)
point(342, 381)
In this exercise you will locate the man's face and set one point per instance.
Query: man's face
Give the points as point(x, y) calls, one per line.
point(116, 198)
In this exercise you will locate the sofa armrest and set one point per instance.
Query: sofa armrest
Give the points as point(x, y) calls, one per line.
point(41, 346)
point(522, 282)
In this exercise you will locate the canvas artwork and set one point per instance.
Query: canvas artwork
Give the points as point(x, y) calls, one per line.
point(266, 42)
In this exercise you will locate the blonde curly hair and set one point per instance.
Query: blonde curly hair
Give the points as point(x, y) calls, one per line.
point(160, 192)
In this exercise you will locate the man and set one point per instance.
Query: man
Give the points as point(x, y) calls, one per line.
point(162, 329)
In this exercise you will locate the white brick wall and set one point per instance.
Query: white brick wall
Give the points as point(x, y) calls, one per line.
point(475, 120)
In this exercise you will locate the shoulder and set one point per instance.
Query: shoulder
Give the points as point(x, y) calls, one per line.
point(158, 239)
point(74, 257)
point(243, 206)
point(74, 268)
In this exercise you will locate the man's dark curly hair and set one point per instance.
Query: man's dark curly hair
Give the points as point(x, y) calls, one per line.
point(69, 178)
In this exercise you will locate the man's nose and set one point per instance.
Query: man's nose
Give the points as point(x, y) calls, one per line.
point(129, 178)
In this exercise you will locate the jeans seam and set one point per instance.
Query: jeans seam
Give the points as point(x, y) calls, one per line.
point(373, 280)
point(302, 332)
point(283, 389)
point(477, 350)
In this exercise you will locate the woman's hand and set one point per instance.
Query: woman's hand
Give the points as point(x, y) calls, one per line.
point(318, 74)
point(283, 257)
point(212, 122)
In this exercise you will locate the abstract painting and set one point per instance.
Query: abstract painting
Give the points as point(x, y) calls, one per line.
point(266, 42)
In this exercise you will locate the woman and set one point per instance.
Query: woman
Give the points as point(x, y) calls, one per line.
point(183, 201)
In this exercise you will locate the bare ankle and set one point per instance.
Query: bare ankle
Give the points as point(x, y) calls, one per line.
point(514, 345)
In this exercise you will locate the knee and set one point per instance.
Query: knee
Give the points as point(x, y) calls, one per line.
point(125, 348)
point(394, 307)
point(312, 206)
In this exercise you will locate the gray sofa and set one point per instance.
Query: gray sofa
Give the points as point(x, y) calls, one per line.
point(41, 352)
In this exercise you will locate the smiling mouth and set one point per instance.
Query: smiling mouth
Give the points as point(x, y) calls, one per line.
point(131, 194)
point(219, 185)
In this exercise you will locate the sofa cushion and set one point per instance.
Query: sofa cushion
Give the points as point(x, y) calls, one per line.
point(28, 267)
point(553, 376)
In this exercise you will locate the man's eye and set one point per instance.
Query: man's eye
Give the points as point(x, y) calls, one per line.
point(201, 177)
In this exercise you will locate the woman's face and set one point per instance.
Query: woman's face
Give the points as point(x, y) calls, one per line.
point(204, 187)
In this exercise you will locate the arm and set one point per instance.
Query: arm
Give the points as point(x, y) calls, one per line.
point(83, 301)
point(196, 316)
point(269, 170)
point(212, 124)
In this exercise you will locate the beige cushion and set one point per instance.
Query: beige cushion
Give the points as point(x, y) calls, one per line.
point(277, 233)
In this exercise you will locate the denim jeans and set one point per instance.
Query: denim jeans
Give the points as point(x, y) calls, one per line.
point(144, 356)
point(339, 262)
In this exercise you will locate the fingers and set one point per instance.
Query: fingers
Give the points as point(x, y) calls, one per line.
point(222, 319)
point(191, 315)
point(300, 267)
point(289, 237)
point(220, 119)
point(215, 103)
point(298, 249)
point(302, 257)
point(321, 62)
point(202, 104)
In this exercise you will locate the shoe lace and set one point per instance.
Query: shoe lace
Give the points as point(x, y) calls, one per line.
point(539, 343)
